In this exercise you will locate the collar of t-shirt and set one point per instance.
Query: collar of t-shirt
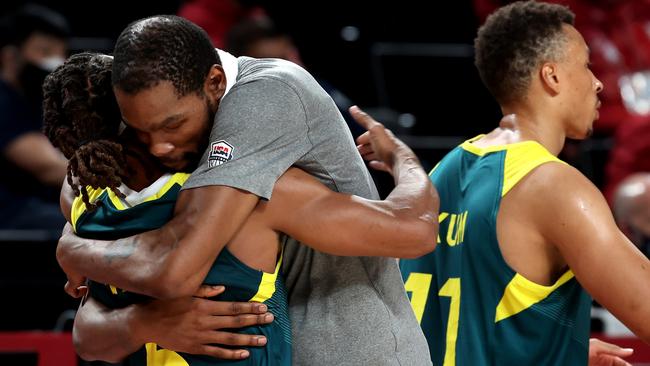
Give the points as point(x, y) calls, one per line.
point(230, 67)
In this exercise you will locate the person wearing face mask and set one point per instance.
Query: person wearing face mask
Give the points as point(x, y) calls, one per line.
point(632, 210)
point(32, 44)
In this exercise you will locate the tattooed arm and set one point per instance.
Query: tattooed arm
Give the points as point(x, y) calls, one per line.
point(168, 262)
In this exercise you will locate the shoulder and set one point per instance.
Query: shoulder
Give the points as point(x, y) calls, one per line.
point(278, 73)
point(557, 192)
point(559, 178)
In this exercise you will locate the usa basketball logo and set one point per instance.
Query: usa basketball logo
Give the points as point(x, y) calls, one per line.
point(220, 152)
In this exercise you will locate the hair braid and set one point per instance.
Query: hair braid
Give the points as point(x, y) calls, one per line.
point(82, 119)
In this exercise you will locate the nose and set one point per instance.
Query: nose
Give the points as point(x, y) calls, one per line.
point(599, 86)
point(160, 148)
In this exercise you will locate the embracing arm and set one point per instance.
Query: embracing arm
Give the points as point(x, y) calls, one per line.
point(580, 224)
point(103, 334)
point(404, 225)
point(401, 226)
point(187, 324)
point(168, 262)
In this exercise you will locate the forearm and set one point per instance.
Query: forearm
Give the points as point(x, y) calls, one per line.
point(168, 262)
point(403, 225)
point(136, 263)
point(104, 334)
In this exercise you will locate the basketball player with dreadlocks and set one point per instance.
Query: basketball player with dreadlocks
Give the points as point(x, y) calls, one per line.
point(121, 190)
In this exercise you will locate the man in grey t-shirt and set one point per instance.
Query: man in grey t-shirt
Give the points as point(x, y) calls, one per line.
point(268, 115)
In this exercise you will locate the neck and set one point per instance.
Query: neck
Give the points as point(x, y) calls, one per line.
point(528, 124)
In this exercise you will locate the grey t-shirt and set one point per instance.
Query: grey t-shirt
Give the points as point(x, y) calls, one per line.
point(344, 310)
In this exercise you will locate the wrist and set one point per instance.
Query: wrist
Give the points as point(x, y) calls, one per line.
point(404, 159)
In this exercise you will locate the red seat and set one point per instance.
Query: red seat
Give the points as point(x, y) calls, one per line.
point(53, 349)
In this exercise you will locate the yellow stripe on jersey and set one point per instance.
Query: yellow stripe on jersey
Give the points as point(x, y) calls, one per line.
point(521, 159)
point(163, 357)
point(266, 288)
point(521, 294)
point(434, 168)
point(179, 178)
point(78, 206)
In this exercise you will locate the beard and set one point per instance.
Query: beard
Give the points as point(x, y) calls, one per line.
point(193, 159)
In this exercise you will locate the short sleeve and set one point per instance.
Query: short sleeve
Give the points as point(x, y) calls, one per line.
point(260, 130)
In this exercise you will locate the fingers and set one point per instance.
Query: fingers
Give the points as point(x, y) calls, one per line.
point(222, 353)
point(234, 339)
point(75, 291)
point(206, 291)
point(601, 347)
point(621, 362)
point(362, 118)
point(232, 308)
point(379, 165)
point(237, 321)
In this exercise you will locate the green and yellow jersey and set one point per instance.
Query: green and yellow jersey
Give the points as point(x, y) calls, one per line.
point(473, 308)
point(118, 217)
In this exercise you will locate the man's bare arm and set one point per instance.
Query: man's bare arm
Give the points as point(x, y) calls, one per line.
point(186, 324)
point(34, 153)
point(168, 262)
point(578, 221)
point(103, 334)
point(403, 225)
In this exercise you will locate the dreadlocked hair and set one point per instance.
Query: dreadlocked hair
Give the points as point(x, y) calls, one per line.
point(81, 118)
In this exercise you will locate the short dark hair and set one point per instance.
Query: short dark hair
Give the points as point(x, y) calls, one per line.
point(163, 48)
point(514, 40)
point(81, 118)
point(18, 26)
point(245, 34)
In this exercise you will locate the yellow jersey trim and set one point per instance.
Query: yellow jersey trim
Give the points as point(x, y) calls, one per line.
point(78, 206)
point(481, 151)
point(522, 293)
point(163, 357)
point(266, 288)
point(521, 160)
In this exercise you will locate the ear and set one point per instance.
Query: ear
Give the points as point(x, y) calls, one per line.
point(215, 83)
point(549, 77)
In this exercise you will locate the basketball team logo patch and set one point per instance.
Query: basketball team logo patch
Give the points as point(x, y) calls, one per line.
point(220, 152)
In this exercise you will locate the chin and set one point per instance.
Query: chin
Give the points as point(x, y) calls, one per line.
point(176, 165)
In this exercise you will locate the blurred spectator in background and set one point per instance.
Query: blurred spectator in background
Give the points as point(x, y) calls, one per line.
point(32, 44)
point(632, 209)
point(260, 38)
point(217, 17)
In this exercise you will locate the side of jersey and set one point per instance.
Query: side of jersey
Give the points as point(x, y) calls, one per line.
point(473, 308)
point(117, 218)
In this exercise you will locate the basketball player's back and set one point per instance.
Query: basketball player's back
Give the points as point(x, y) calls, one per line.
point(473, 306)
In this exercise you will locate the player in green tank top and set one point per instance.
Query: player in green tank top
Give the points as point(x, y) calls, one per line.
point(522, 233)
point(146, 198)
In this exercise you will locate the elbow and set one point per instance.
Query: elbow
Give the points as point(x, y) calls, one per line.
point(88, 349)
point(80, 347)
